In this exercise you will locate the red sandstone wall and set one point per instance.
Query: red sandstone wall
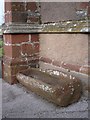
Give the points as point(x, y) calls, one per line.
point(20, 50)
point(61, 11)
point(69, 51)
point(17, 12)
point(69, 48)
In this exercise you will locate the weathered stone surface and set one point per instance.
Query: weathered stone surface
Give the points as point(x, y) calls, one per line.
point(62, 90)
point(25, 18)
point(85, 69)
point(20, 52)
point(65, 48)
point(62, 64)
point(77, 26)
point(9, 72)
point(61, 11)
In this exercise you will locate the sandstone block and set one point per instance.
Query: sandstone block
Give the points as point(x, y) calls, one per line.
point(62, 90)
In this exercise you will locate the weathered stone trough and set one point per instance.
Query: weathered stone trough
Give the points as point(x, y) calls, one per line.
point(61, 90)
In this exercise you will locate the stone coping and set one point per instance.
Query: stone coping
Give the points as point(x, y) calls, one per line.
point(80, 26)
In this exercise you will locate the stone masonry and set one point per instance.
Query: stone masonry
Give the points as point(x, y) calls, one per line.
point(25, 45)
point(20, 50)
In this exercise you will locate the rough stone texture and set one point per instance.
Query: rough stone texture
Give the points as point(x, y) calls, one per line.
point(61, 64)
point(60, 11)
point(18, 6)
point(35, 37)
point(78, 26)
point(68, 26)
point(9, 71)
point(15, 12)
point(85, 69)
point(20, 52)
point(12, 51)
point(31, 6)
point(15, 38)
point(14, 6)
point(7, 6)
point(47, 60)
point(22, 17)
point(21, 12)
point(14, 66)
point(68, 48)
point(24, 48)
point(19, 103)
point(62, 90)
point(12, 17)
point(85, 79)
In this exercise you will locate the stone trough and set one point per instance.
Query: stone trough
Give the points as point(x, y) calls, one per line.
point(62, 90)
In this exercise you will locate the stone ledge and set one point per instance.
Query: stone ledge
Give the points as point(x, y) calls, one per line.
point(21, 28)
point(80, 26)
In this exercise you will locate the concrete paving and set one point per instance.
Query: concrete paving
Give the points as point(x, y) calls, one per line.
point(19, 103)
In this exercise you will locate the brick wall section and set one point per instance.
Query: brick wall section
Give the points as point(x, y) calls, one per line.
point(21, 12)
point(15, 12)
point(20, 50)
point(84, 5)
point(33, 15)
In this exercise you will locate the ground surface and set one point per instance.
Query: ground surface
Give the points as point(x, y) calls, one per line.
point(18, 103)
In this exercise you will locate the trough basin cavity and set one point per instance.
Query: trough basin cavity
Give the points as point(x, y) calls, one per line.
point(62, 90)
